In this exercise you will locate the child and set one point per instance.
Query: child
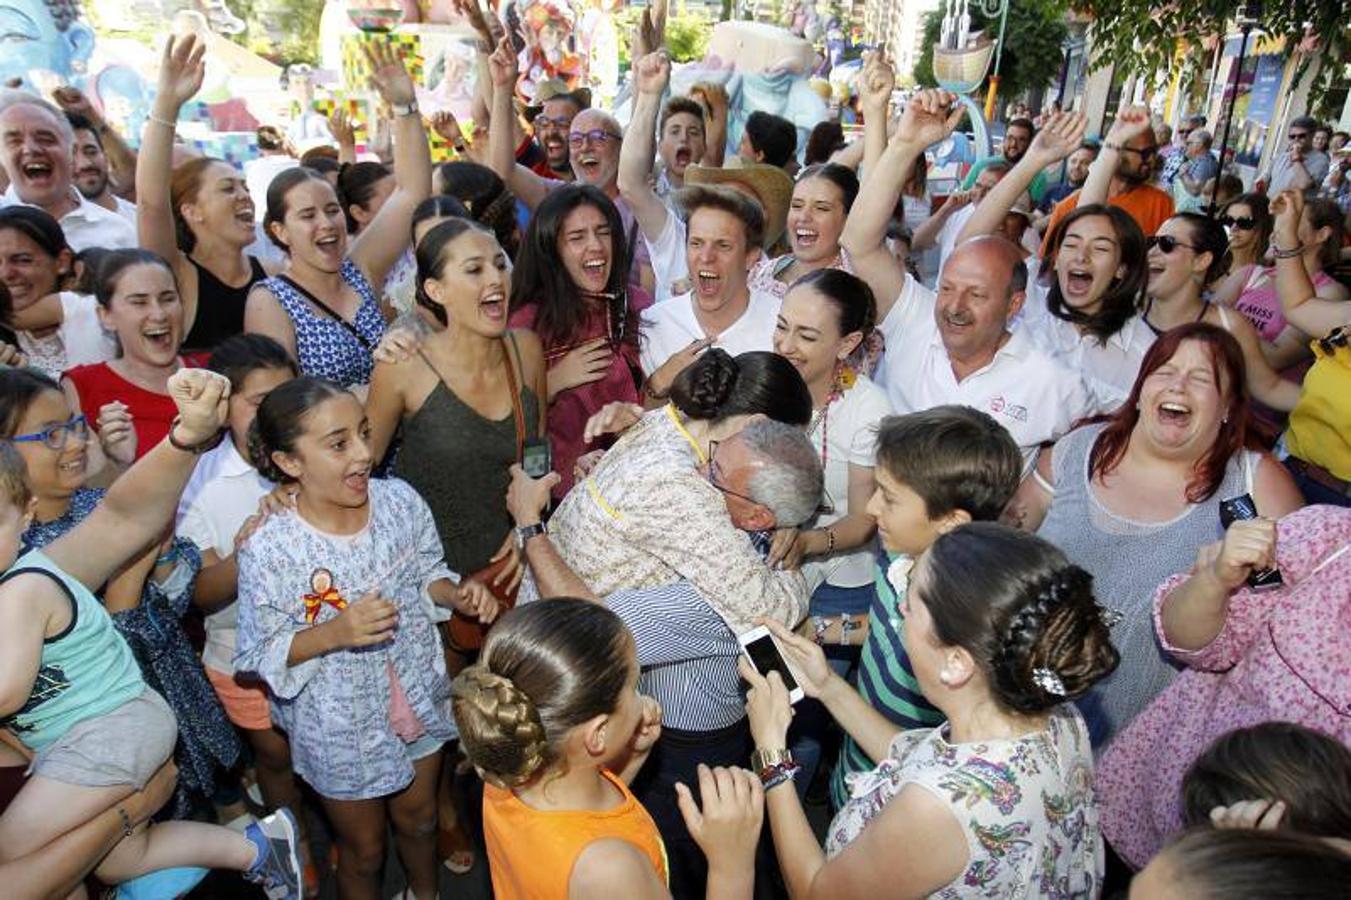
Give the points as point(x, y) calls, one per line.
point(321, 590)
point(223, 493)
point(70, 689)
point(552, 719)
point(936, 470)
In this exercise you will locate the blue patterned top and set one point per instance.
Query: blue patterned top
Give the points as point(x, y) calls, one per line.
point(325, 347)
point(336, 707)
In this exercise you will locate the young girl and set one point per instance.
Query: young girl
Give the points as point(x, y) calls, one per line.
point(552, 719)
point(126, 400)
point(69, 687)
point(336, 615)
point(146, 599)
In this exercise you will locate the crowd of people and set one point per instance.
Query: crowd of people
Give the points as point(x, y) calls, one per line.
point(347, 489)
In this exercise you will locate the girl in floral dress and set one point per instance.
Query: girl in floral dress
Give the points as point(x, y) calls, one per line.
point(998, 802)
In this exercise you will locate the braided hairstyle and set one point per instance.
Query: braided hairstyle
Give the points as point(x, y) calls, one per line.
point(547, 667)
point(717, 386)
point(1023, 612)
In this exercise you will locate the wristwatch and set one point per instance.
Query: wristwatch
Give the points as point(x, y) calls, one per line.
point(525, 532)
point(404, 109)
point(765, 759)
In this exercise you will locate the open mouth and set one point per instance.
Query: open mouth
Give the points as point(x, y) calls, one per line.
point(160, 339)
point(956, 320)
point(494, 305)
point(359, 481)
point(707, 282)
point(1175, 414)
point(36, 171)
point(590, 166)
point(74, 466)
point(682, 158)
point(1078, 282)
point(554, 145)
point(1155, 270)
point(328, 245)
point(595, 272)
point(806, 237)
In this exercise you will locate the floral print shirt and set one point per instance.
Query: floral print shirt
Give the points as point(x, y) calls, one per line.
point(336, 707)
point(1025, 804)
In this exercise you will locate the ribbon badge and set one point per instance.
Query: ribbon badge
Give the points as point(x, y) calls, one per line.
point(321, 583)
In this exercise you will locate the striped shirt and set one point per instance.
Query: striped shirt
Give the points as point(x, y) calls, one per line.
point(885, 679)
point(687, 655)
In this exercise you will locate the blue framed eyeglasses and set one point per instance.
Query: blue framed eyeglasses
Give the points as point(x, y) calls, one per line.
point(56, 436)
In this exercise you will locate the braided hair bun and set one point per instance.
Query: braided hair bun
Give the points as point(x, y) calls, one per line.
point(547, 667)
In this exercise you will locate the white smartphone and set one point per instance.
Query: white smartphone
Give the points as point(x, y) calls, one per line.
point(766, 656)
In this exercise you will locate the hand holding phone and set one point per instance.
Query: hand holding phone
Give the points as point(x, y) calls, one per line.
point(537, 458)
point(762, 650)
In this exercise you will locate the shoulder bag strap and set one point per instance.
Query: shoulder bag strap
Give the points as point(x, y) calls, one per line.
point(517, 410)
point(329, 311)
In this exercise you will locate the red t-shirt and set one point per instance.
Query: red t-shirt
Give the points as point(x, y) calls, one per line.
point(152, 414)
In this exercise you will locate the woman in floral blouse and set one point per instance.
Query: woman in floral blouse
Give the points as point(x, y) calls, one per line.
point(998, 802)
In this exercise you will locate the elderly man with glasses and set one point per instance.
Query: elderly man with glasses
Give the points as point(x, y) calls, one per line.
point(1121, 173)
point(1300, 167)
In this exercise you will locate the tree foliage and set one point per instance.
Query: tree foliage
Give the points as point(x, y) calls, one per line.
point(1144, 37)
point(1034, 38)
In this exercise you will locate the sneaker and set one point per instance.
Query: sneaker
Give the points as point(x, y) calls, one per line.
point(278, 867)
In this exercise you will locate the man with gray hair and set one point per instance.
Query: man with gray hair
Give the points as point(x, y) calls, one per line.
point(37, 145)
point(769, 476)
point(1199, 167)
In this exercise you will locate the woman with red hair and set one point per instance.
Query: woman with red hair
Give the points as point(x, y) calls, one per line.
point(1131, 497)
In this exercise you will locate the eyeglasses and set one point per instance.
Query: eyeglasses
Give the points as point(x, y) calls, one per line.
point(1243, 223)
point(1167, 244)
point(543, 121)
point(595, 136)
point(1298, 136)
point(56, 437)
point(713, 476)
point(1337, 337)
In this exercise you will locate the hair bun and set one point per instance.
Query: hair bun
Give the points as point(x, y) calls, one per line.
point(499, 726)
point(703, 388)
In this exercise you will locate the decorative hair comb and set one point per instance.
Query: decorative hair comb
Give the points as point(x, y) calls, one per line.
point(1049, 682)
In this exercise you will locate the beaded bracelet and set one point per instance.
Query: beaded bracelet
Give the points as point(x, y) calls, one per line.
point(160, 120)
point(1294, 251)
point(779, 773)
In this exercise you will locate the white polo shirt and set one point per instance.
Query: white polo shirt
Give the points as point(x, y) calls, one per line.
point(1023, 388)
point(126, 209)
point(222, 493)
point(671, 326)
point(87, 225)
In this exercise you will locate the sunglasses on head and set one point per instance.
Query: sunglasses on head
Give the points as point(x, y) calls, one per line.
point(1165, 243)
point(1337, 337)
point(1243, 223)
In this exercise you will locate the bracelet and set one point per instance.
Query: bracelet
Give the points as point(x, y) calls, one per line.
point(764, 759)
point(160, 120)
point(195, 449)
point(830, 541)
point(1294, 251)
point(780, 773)
point(127, 830)
point(820, 624)
point(848, 624)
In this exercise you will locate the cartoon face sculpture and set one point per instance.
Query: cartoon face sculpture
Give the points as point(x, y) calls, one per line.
point(43, 36)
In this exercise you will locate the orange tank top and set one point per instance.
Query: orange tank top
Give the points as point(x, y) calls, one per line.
point(531, 852)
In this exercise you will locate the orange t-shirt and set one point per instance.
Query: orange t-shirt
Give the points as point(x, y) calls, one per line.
point(1147, 205)
point(531, 852)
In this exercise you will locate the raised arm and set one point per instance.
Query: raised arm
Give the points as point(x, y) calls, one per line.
point(929, 117)
point(528, 187)
point(180, 77)
point(1131, 121)
point(142, 502)
point(1300, 302)
point(1058, 138)
point(1193, 614)
point(651, 74)
point(716, 106)
point(381, 245)
point(879, 83)
point(343, 129)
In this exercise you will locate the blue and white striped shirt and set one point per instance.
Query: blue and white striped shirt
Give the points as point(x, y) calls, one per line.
point(687, 655)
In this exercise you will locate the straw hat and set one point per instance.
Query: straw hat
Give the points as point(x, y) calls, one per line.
point(769, 184)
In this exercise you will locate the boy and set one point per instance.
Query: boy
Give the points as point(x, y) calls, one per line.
point(936, 470)
point(70, 690)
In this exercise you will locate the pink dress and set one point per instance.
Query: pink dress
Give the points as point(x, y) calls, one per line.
point(569, 410)
point(1281, 656)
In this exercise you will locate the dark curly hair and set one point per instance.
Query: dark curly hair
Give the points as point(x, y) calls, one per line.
point(1016, 604)
point(281, 421)
point(717, 386)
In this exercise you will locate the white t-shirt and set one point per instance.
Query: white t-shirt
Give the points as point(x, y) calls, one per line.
point(80, 339)
point(1109, 369)
point(670, 267)
point(222, 493)
point(1028, 392)
point(849, 428)
point(671, 326)
point(258, 175)
point(87, 225)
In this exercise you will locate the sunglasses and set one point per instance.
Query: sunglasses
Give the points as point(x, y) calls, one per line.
point(1166, 244)
point(596, 136)
point(1337, 337)
point(1243, 223)
point(56, 436)
point(1298, 136)
point(1146, 153)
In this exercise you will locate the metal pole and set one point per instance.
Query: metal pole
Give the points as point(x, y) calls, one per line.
point(998, 55)
point(1229, 114)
